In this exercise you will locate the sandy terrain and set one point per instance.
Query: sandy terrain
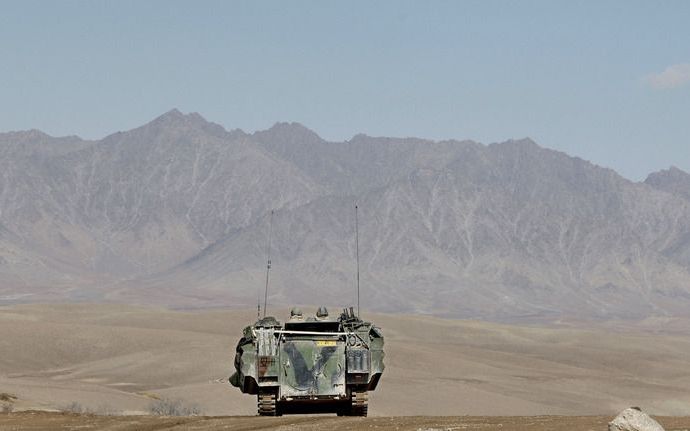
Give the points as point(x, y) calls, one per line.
point(42, 420)
point(118, 359)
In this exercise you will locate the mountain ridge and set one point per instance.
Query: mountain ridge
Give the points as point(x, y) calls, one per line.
point(176, 211)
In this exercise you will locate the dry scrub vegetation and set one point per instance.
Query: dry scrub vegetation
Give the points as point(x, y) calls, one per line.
point(101, 410)
point(173, 407)
point(9, 398)
point(7, 402)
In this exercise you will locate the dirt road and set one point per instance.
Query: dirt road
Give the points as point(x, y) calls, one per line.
point(67, 421)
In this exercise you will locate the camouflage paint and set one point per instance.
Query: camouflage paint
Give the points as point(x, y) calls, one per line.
point(334, 360)
point(312, 367)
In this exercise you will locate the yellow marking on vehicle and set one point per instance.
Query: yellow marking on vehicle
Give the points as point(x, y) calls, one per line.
point(326, 343)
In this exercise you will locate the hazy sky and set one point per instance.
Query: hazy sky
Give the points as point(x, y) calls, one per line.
point(606, 81)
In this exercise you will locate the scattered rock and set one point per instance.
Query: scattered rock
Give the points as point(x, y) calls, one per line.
point(634, 419)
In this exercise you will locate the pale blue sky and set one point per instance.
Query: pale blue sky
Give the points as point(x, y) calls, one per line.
point(586, 78)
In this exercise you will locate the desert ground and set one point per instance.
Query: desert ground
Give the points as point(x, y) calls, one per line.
point(117, 359)
point(43, 420)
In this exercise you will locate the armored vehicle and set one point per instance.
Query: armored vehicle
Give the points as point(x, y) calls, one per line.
point(313, 364)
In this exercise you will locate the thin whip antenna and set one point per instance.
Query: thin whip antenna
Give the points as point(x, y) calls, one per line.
point(268, 259)
point(357, 254)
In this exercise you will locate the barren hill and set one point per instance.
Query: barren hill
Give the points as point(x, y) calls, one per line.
point(176, 213)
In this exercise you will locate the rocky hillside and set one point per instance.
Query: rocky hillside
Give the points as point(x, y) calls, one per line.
point(176, 212)
point(672, 180)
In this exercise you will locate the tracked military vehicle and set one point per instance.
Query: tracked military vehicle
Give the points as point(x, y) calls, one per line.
point(313, 364)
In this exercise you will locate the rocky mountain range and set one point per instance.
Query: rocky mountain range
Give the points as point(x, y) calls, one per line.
point(177, 212)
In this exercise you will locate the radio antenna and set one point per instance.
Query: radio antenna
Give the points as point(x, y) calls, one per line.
point(357, 254)
point(258, 304)
point(268, 259)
